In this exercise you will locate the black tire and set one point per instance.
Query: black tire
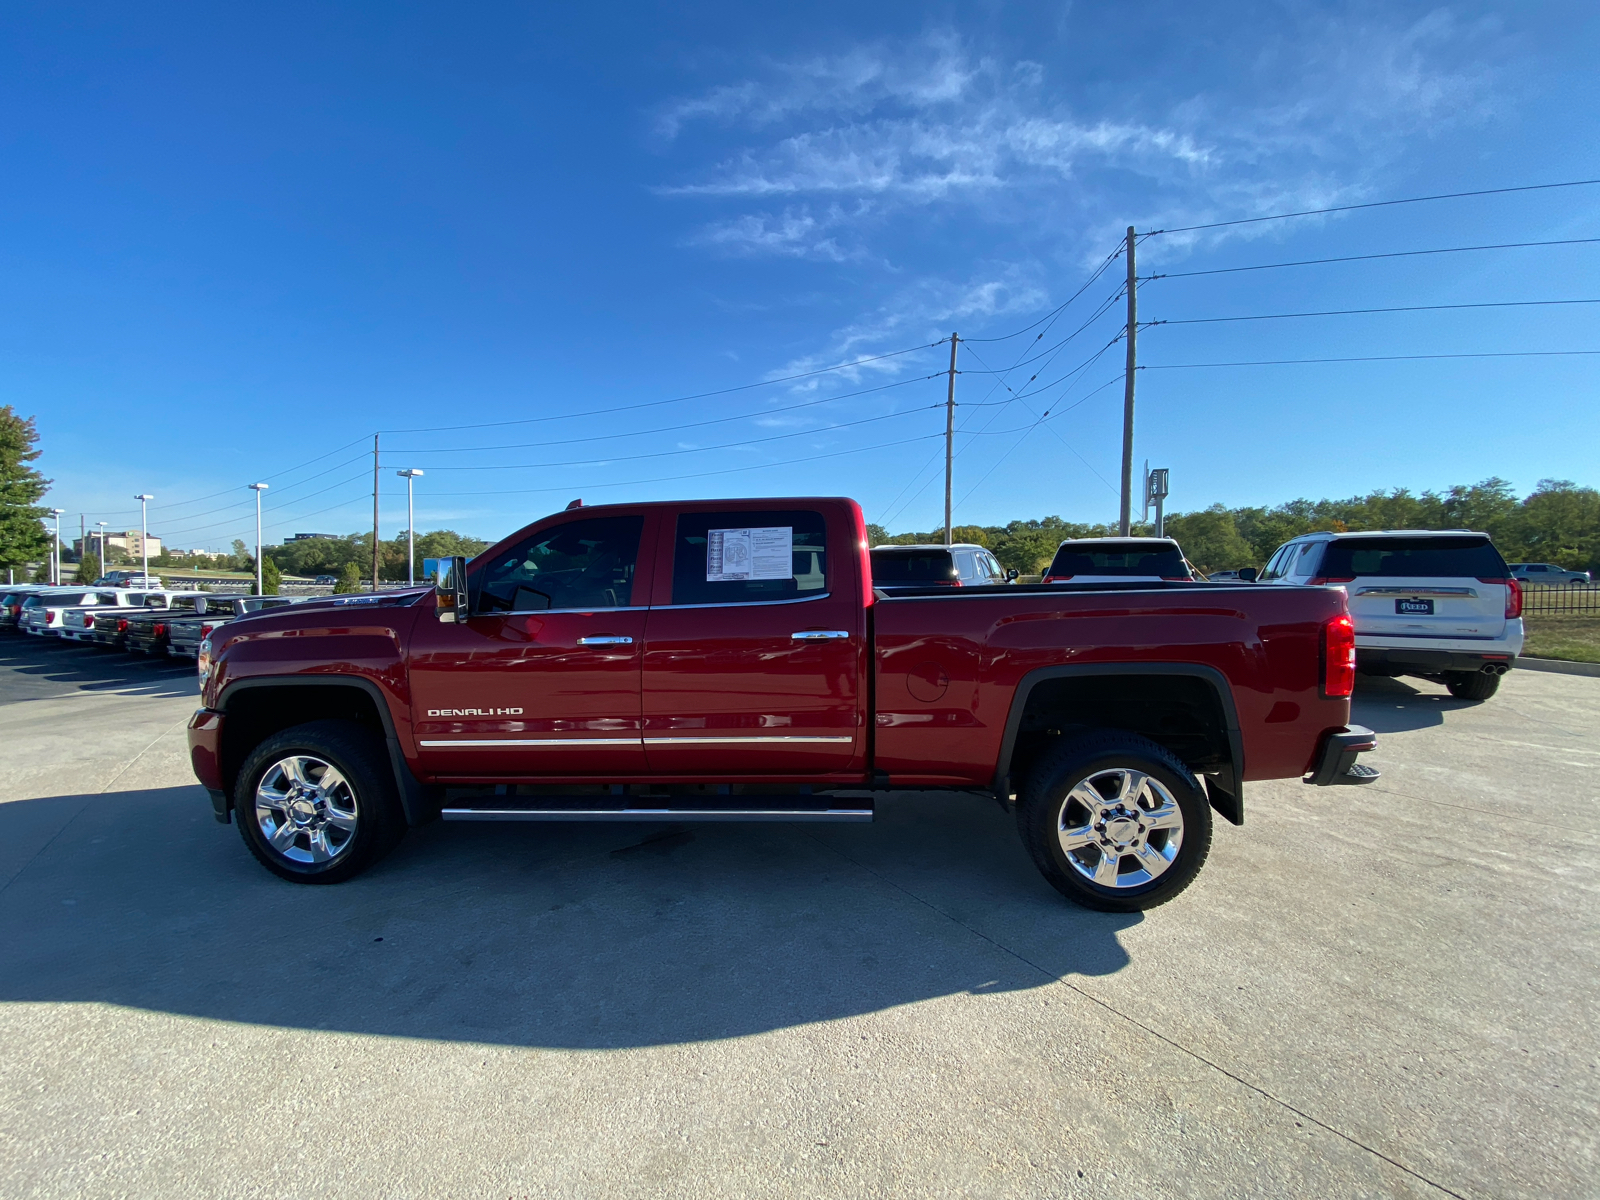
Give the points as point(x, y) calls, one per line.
point(1471, 685)
point(1045, 801)
point(369, 792)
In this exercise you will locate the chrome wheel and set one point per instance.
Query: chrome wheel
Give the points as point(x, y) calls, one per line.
point(1120, 828)
point(306, 809)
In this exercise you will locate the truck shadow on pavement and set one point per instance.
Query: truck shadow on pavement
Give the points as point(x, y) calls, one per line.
point(37, 667)
point(564, 936)
point(1399, 705)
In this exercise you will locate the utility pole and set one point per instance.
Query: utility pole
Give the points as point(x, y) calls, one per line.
point(374, 512)
point(104, 565)
point(949, 436)
point(83, 538)
point(144, 499)
point(1124, 521)
point(55, 561)
point(410, 474)
point(258, 488)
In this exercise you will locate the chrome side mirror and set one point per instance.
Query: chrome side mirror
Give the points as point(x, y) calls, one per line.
point(449, 577)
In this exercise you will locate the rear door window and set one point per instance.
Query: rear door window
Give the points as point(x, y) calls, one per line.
point(912, 566)
point(1165, 562)
point(581, 565)
point(1413, 558)
point(743, 557)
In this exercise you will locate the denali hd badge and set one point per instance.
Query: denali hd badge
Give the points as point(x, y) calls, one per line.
point(474, 712)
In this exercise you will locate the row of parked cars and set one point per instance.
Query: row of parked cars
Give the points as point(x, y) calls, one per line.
point(1442, 605)
point(139, 619)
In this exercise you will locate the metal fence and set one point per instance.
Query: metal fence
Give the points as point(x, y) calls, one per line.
point(1555, 599)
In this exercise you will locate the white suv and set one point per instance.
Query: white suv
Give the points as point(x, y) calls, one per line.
point(1441, 605)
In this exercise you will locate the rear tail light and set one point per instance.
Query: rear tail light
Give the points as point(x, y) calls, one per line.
point(1513, 588)
point(122, 624)
point(205, 630)
point(50, 616)
point(1324, 580)
point(1055, 578)
point(158, 629)
point(1338, 657)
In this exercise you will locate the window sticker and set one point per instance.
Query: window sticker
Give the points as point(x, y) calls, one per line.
point(749, 554)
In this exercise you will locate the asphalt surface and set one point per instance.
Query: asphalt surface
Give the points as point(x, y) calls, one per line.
point(1379, 991)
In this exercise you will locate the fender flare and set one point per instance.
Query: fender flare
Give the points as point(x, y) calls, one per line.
point(1225, 788)
point(415, 797)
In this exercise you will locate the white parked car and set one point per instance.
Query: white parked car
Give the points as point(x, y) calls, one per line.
point(1118, 560)
point(1547, 573)
point(1439, 605)
point(77, 624)
point(42, 612)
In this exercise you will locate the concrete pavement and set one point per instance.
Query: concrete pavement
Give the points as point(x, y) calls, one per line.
point(1381, 991)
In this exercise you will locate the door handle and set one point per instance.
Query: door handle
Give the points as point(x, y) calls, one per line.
point(605, 641)
point(819, 635)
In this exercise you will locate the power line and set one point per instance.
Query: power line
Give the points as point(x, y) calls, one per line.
point(1313, 212)
point(1281, 362)
point(1349, 312)
point(1311, 262)
point(602, 437)
point(745, 387)
point(592, 462)
point(697, 474)
point(1098, 271)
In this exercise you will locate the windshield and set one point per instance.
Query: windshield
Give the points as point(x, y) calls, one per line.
point(1413, 557)
point(912, 566)
point(1163, 561)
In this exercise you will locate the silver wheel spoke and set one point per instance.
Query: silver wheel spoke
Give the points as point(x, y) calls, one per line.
point(1166, 817)
point(282, 838)
point(1077, 839)
point(320, 850)
point(1130, 787)
point(1151, 859)
point(330, 780)
point(1085, 795)
point(341, 819)
point(1105, 871)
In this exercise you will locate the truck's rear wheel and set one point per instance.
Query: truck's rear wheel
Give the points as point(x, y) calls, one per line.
point(1114, 821)
point(317, 803)
point(1471, 685)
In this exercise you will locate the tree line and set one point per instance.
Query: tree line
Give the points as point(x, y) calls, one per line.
point(1558, 522)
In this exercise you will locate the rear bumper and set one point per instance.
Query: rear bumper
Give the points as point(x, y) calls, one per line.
point(1336, 760)
point(205, 756)
point(1392, 661)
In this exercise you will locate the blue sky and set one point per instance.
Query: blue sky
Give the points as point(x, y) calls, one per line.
point(234, 242)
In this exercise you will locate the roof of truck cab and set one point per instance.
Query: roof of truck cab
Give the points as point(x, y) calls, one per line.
point(930, 546)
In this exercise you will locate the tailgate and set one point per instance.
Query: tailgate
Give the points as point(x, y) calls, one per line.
point(1420, 607)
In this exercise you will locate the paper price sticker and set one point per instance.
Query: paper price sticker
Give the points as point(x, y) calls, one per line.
point(733, 554)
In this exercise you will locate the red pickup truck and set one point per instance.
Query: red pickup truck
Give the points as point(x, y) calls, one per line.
point(730, 660)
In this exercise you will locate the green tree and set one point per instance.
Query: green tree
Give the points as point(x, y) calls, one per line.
point(1211, 539)
point(22, 532)
point(349, 580)
point(89, 567)
point(271, 577)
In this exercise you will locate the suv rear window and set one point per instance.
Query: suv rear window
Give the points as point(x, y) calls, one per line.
point(1115, 560)
point(1418, 557)
point(912, 566)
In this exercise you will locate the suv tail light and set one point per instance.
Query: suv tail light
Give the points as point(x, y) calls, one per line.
point(1513, 588)
point(1324, 580)
point(1338, 657)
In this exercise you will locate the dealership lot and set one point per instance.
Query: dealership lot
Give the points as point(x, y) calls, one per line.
point(1370, 991)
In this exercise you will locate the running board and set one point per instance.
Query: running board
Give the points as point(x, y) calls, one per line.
point(710, 808)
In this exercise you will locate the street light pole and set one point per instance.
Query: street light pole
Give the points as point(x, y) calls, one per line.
point(258, 488)
point(410, 474)
point(103, 563)
point(144, 499)
point(55, 562)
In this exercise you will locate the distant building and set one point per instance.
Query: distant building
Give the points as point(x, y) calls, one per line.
point(306, 537)
point(132, 543)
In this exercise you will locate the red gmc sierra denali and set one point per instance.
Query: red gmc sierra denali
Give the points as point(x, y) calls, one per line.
point(729, 660)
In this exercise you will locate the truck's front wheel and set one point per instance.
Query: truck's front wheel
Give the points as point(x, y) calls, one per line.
point(317, 803)
point(1114, 821)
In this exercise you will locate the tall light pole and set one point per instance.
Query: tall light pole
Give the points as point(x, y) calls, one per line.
point(55, 561)
point(258, 488)
point(103, 563)
point(410, 474)
point(144, 499)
